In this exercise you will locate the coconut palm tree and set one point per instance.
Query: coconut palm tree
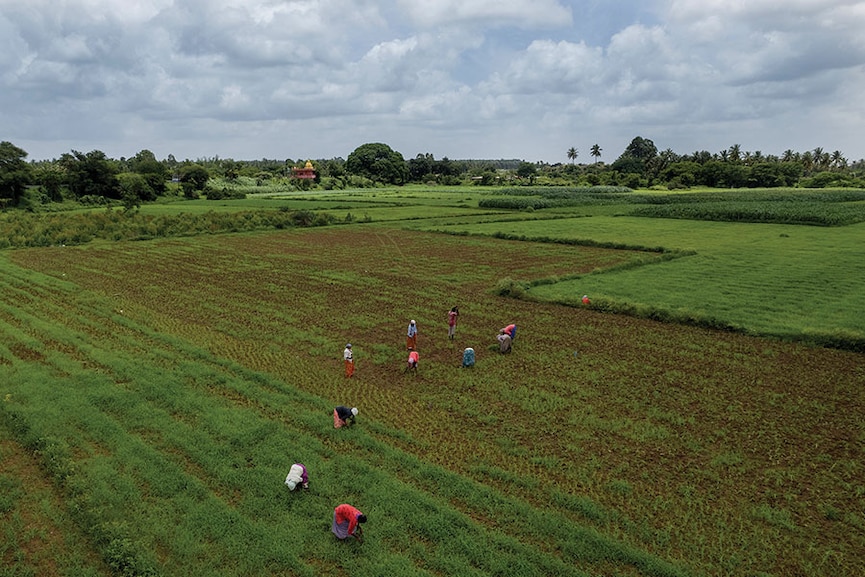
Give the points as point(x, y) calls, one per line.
point(596, 152)
point(572, 154)
point(736, 153)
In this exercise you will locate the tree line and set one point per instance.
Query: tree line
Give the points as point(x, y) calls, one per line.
point(94, 178)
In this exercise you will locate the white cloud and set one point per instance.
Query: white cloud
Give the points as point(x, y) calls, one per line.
point(480, 76)
point(515, 13)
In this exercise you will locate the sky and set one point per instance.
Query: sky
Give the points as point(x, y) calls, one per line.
point(463, 79)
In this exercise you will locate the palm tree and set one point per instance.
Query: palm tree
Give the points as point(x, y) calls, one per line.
point(735, 153)
point(596, 152)
point(572, 154)
point(838, 160)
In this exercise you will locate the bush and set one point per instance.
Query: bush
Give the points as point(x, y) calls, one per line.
point(508, 287)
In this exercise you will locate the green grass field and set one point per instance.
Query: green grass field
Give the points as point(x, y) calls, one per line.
point(769, 279)
point(153, 395)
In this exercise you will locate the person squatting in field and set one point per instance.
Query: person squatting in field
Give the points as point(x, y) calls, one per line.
point(346, 522)
point(297, 475)
point(411, 339)
point(343, 416)
point(452, 322)
point(413, 359)
point(349, 360)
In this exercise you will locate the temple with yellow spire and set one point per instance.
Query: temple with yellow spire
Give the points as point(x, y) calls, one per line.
point(306, 172)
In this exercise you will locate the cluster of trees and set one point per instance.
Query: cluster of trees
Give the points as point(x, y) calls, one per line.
point(94, 178)
point(644, 165)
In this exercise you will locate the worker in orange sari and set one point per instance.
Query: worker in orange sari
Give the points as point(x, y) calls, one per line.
point(411, 339)
point(349, 361)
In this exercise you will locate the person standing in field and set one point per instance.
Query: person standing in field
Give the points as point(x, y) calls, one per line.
point(413, 359)
point(411, 339)
point(349, 361)
point(346, 522)
point(297, 475)
point(343, 416)
point(452, 322)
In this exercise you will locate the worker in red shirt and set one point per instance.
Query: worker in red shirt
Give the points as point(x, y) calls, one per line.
point(346, 522)
point(413, 359)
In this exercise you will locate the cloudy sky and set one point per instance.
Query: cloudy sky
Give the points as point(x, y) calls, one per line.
point(527, 79)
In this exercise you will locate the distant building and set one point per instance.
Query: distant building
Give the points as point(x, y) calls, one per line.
point(307, 172)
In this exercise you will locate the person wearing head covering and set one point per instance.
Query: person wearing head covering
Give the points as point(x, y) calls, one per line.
point(469, 357)
point(346, 522)
point(505, 341)
point(586, 300)
point(349, 361)
point(297, 475)
point(411, 339)
point(452, 322)
point(511, 331)
point(413, 358)
point(343, 416)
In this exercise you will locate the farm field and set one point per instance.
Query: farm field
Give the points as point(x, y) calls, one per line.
point(769, 279)
point(167, 386)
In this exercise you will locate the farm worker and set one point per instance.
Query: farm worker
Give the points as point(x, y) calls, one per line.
point(511, 331)
point(452, 322)
point(413, 358)
point(469, 357)
point(411, 340)
point(297, 475)
point(349, 360)
point(504, 341)
point(342, 416)
point(346, 520)
point(586, 299)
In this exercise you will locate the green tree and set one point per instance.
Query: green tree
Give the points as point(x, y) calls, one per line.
point(193, 179)
point(15, 173)
point(155, 174)
point(596, 152)
point(51, 177)
point(377, 162)
point(421, 167)
point(527, 170)
point(572, 154)
point(636, 157)
point(91, 174)
point(735, 153)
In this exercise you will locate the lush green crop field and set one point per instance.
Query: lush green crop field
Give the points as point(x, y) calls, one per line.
point(783, 280)
point(154, 394)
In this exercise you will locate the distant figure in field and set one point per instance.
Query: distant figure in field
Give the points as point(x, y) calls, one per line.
point(586, 300)
point(297, 475)
point(413, 358)
point(505, 341)
point(411, 339)
point(510, 330)
point(346, 522)
point(452, 322)
point(469, 357)
point(343, 416)
point(349, 361)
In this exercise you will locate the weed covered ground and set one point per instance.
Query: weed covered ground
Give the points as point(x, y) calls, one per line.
point(609, 444)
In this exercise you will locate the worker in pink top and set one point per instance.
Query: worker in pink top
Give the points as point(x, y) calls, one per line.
point(452, 322)
point(413, 358)
point(346, 520)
